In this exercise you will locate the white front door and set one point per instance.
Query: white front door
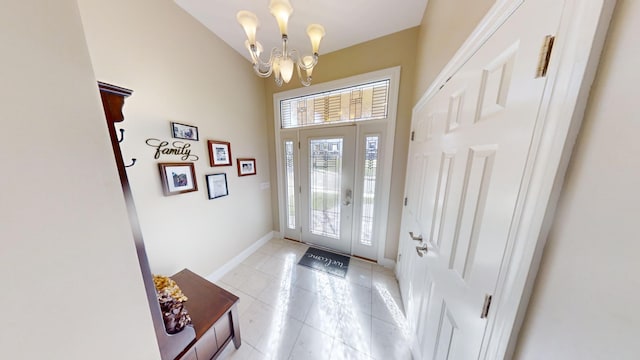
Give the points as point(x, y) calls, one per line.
point(327, 164)
point(466, 167)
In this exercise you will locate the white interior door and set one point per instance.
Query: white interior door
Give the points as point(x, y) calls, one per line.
point(327, 166)
point(466, 167)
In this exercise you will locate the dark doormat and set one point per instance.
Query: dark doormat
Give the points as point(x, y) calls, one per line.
point(326, 261)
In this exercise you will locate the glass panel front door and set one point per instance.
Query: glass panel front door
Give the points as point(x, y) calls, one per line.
point(325, 174)
point(327, 169)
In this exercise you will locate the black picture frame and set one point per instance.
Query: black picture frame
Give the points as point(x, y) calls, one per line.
point(217, 186)
point(184, 131)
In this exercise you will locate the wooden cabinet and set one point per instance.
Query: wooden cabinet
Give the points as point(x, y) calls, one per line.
point(214, 313)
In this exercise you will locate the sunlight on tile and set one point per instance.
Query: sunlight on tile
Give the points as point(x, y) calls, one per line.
point(388, 342)
point(291, 312)
point(312, 344)
point(342, 351)
point(277, 325)
point(394, 309)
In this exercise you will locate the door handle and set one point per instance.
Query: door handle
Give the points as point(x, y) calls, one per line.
point(414, 237)
point(347, 197)
point(421, 250)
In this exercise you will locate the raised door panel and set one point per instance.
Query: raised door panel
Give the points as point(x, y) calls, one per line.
point(477, 179)
point(448, 334)
point(441, 202)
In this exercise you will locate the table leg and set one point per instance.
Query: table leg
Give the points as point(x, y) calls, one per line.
point(235, 320)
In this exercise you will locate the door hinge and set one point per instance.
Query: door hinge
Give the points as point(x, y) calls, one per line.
point(298, 144)
point(300, 189)
point(405, 201)
point(413, 135)
point(486, 306)
point(545, 56)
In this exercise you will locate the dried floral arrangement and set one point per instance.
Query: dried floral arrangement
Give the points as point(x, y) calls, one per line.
point(171, 301)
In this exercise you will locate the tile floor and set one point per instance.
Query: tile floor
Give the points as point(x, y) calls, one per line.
point(289, 311)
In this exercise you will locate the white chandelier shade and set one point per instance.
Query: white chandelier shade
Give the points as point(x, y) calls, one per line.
point(282, 62)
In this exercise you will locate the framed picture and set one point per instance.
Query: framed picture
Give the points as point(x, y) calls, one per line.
point(246, 167)
point(217, 185)
point(178, 178)
point(219, 153)
point(182, 131)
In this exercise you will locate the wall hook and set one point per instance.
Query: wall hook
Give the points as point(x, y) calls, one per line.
point(133, 162)
point(121, 138)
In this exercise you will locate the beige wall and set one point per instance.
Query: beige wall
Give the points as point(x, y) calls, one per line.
point(388, 51)
point(585, 300)
point(181, 72)
point(71, 283)
point(446, 24)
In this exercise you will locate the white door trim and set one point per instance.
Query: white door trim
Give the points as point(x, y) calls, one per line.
point(386, 156)
point(575, 58)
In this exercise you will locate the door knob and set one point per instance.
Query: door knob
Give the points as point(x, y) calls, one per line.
point(415, 237)
point(421, 250)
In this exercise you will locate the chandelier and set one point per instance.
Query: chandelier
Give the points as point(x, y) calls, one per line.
point(282, 61)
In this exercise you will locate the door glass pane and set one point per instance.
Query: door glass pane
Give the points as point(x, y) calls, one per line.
point(369, 189)
point(325, 176)
point(290, 184)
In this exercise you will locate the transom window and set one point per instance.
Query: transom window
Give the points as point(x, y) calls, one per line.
point(356, 103)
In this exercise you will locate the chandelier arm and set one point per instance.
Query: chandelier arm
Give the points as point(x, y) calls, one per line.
point(306, 80)
point(275, 53)
point(257, 60)
point(293, 54)
point(263, 72)
point(311, 65)
point(278, 79)
point(253, 52)
point(262, 68)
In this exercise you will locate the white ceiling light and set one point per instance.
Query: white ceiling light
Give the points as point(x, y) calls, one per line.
point(281, 62)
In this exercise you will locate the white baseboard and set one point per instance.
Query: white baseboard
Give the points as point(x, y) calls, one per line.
point(218, 274)
point(224, 269)
point(388, 263)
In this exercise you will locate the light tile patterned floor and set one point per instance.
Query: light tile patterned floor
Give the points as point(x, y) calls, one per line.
point(289, 311)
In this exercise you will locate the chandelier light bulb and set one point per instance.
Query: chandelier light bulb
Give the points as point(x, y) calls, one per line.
point(316, 33)
point(281, 10)
point(308, 64)
point(286, 69)
point(276, 67)
point(249, 22)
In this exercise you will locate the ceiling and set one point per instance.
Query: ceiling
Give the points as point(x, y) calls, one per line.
point(347, 22)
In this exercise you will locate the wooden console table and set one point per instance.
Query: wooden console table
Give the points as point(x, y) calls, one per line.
point(214, 313)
